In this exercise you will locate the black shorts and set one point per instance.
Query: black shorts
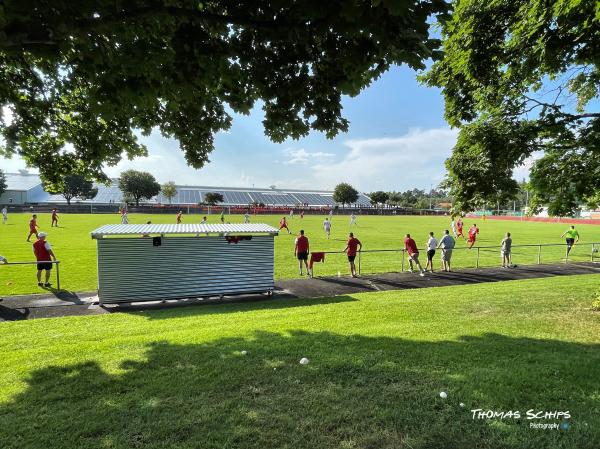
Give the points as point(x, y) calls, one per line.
point(430, 254)
point(44, 266)
point(570, 242)
point(351, 258)
point(303, 255)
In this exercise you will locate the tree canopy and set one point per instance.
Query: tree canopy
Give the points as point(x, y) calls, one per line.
point(520, 77)
point(378, 197)
point(3, 184)
point(344, 193)
point(138, 185)
point(212, 198)
point(79, 78)
point(169, 190)
point(75, 186)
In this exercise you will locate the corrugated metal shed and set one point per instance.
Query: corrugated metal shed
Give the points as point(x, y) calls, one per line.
point(175, 265)
point(182, 229)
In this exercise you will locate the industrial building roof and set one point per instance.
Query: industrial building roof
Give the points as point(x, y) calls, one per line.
point(171, 229)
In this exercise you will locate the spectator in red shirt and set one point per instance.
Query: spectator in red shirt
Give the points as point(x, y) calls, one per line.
point(44, 256)
point(32, 227)
point(301, 250)
point(352, 247)
point(413, 254)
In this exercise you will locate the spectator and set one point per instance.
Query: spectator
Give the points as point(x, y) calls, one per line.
point(506, 245)
point(353, 245)
point(44, 256)
point(413, 254)
point(431, 246)
point(301, 250)
point(446, 244)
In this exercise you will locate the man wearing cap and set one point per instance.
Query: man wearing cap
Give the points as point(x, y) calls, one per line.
point(44, 255)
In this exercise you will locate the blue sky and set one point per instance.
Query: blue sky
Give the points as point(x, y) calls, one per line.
point(397, 140)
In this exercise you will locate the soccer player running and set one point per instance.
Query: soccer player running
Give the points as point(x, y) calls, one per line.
point(572, 238)
point(246, 218)
point(353, 246)
point(327, 227)
point(413, 254)
point(473, 231)
point(4, 215)
point(447, 245)
point(283, 225)
point(352, 219)
point(32, 227)
point(223, 216)
point(302, 214)
point(301, 249)
point(453, 225)
point(459, 226)
point(431, 247)
point(179, 217)
point(124, 218)
point(505, 248)
point(54, 218)
point(44, 256)
point(204, 220)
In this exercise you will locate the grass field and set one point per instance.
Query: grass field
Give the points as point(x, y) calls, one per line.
point(176, 378)
point(77, 252)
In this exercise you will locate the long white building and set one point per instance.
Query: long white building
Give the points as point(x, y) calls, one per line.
point(27, 189)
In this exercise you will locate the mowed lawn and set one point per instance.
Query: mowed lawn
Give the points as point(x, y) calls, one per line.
point(77, 252)
point(177, 378)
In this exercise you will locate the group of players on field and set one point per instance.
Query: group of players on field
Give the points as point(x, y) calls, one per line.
point(44, 254)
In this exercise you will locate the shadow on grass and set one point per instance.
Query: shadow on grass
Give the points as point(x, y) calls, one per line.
point(356, 392)
point(186, 308)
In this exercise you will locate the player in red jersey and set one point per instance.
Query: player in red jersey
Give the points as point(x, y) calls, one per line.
point(459, 226)
point(352, 247)
point(473, 231)
point(32, 227)
point(301, 250)
point(179, 217)
point(302, 213)
point(283, 225)
point(54, 218)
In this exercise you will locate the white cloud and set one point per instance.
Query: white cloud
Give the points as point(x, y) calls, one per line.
point(302, 157)
point(522, 172)
point(415, 159)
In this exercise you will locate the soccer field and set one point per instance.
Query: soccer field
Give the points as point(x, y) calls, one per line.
point(178, 378)
point(77, 252)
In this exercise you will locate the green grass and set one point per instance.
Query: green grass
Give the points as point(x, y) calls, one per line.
point(176, 378)
point(76, 250)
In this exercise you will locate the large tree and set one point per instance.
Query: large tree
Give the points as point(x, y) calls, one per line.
point(169, 190)
point(520, 77)
point(378, 197)
point(344, 193)
point(138, 185)
point(213, 198)
point(79, 77)
point(76, 186)
point(3, 184)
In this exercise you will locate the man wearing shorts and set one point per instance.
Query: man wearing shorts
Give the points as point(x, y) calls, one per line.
point(54, 218)
point(352, 219)
point(473, 231)
point(283, 225)
point(459, 226)
point(453, 225)
point(327, 227)
point(353, 245)
point(246, 218)
point(4, 215)
point(572, 238)
point(505, 248)
point(44, 256)
point(413, 254)
point(301, 250)
point(431, 247)
point(179, 214)
point(32, 227)
point(446, 244)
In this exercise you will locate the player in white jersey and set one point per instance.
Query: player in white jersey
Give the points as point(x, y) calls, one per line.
point(246, 218)
point(327, 227)
point(453, 224)
point(352, 219)
point(4, 215)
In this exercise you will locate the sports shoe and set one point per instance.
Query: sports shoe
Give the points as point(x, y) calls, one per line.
point(40, 284)
point(422, 274)
point(47, 284)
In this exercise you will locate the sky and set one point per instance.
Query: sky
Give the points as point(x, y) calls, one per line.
point(397, 140)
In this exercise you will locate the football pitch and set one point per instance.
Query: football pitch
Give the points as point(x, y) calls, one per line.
point(77, 251)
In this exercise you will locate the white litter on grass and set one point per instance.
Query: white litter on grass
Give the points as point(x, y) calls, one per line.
point(303, 361)
point(244, 352)
point(462, 404)
point(443, 395)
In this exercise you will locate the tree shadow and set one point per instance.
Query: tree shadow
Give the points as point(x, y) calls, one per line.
point(357, 391)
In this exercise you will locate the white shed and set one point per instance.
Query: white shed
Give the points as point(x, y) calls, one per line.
point(153, 262)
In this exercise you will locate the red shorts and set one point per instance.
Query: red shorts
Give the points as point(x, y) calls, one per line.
point(472, 238)
point(33, 230)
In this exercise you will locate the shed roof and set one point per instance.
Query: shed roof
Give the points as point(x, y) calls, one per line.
point(165, 229)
